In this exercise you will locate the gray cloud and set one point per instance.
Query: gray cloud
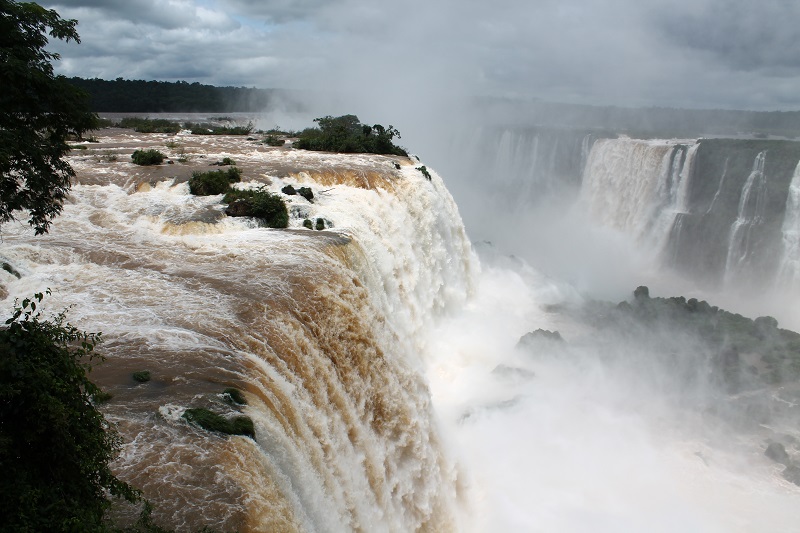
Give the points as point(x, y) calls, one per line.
point(690, 53)
point(759, 36)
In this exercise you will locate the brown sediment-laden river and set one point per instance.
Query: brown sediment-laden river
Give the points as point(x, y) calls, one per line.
point(321, 330)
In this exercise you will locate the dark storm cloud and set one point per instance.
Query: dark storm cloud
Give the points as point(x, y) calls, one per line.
point(695, 53)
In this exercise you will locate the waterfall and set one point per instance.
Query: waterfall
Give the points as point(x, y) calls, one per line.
point(523, 166)
point(749, 214)
point(719, 187)
point(322, 330)
point(638, 186)
point(789, 274)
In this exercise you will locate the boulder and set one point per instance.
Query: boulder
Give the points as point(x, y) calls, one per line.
point(777, 453)
point(792, 473)
point(541, 339)
point(306, 193)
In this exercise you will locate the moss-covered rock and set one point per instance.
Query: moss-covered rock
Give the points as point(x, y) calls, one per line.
point(147, 157)
point(306, 193)
point(143, 376)
point(210, 421)
point(269, 208)
point(213, 182)
point(11, 270)
point(235, 396)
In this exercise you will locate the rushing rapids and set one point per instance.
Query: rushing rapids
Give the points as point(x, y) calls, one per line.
point(322, 330)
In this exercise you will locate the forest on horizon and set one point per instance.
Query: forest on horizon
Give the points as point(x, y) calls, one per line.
point(140, 96)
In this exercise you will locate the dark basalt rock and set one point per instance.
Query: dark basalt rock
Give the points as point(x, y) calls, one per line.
point(540, 338)
point(777, 453)
point(513, 372)
point(210, 421)
point(792, 473)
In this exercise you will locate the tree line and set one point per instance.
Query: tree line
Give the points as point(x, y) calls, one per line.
point(140, 96)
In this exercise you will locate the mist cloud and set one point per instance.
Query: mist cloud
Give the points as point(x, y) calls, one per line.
point(682, 53)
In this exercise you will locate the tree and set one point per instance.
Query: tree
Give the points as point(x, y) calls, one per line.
point(55, 445)
point(346, 134)
point(39, 113)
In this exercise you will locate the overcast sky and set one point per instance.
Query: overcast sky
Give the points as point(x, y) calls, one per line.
point(742, 54)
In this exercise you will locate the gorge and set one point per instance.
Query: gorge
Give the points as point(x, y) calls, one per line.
point(379, 357)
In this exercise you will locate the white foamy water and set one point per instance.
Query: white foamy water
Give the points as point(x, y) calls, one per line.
point(750, 212)
point(638, 186)
point(377, 358)
point(321, 330)
point(563, 440)
point(790, 266)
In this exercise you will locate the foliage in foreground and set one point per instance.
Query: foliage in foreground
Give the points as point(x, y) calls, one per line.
point(346, 134)
point(39, 112)
point(269, 208)
point(55, 446)
point(214, 181)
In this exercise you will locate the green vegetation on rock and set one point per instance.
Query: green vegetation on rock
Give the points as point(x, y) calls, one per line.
point(235, 395)
point(259, 203)
point(142, 376)
point(305, 192)
point(744, 348)
point(213, 181)
point(212, 129)
point(147, 157)
point(150, 125)
point(347, 135)
point(210, 421)
point(11, 270)
point(272, 140)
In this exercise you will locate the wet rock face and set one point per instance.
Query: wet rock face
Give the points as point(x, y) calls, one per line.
point(792, 473)
point(777, 453)
point(730, 192)
point(541, 339)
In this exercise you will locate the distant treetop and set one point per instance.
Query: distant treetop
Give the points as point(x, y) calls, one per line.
point(348, 135)
point(140, 96)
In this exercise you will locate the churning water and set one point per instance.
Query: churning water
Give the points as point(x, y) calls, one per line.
point(378, 358)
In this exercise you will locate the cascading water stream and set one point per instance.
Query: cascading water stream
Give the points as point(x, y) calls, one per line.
point(789, 274)
point(750, 214)
point(638, 187)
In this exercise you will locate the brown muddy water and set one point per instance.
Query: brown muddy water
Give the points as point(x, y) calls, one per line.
point(320, 329)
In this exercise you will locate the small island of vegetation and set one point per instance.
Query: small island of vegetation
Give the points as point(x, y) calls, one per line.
point(346, 134)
